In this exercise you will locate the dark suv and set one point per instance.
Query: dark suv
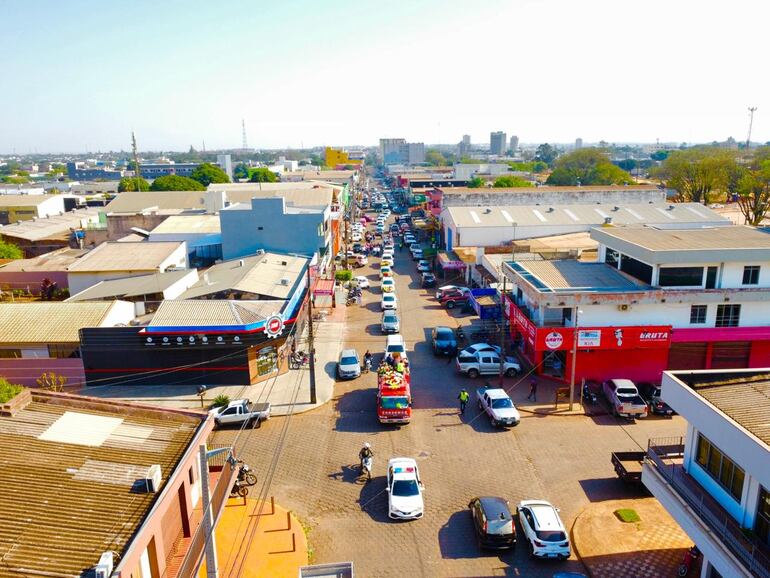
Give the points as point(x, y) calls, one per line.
point(650, 393)
point(493, 523)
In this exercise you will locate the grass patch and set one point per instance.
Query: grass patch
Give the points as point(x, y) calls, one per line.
point(307, 529)
point(8, 390)
point(627, 515)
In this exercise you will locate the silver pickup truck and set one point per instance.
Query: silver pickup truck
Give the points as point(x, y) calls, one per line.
point(498, 406)
point(624, 398)
point(241, 410)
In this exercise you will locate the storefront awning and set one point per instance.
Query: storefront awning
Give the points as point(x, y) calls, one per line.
point(446, 263)
point(324, 287)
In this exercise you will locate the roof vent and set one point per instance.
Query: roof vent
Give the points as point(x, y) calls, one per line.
point(240, 262)
point(671, 207)
point(284, 281)
point(487, 211)
point(607, 220)
point(615, 208)
point(104, 566)
point(284, 263)
point(551, 209)
point(152, 479)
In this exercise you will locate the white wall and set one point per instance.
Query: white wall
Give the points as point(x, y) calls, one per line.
point(182, 285)
point(121, 312)
point(52, 206)
point(177, 259)
point(753, 314)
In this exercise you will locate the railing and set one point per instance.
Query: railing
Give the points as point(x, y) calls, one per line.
point(664, 454)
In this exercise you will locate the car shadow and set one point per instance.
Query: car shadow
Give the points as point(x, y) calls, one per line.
point(456, 537)
point(374, 329)
point(357, 411)
point(602, 489)
point(373, 499)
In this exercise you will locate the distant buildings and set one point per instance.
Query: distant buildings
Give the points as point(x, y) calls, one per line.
point(80, 172)
point(412, 153)
point(465, 171)
point(335, 158)
point(464, 146)
point(497, 143)
point(225, 163)
point(155, 170)
point(578, 143)
point(514, 143)
point(15, 208)
point(390, 150)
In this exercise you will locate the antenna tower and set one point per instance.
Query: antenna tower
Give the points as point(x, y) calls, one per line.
point(751, 122)
point(245, 144)
point(137, 172)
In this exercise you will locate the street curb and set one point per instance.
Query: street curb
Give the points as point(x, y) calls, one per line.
point(575, 543)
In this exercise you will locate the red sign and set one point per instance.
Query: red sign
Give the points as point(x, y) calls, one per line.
point(519, 320)
point(274, 326)
point(554, 340)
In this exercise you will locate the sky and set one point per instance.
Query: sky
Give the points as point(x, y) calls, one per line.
point(80, 76)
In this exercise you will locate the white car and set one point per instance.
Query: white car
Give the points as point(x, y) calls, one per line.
point(348, 364)
point(389, 322)
point(394, 344)
point(389, 301)
point(385, 272)
point(388, 285)
point(404, 489)
point(362, 282)
point(481, 347)
point(543, 530)
point(356, 236)
point(387, 254)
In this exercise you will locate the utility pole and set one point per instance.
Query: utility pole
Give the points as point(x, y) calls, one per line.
point(751, 122)
point(310, 339)
point(574, 358)
point(244, 143)
point(502, 330)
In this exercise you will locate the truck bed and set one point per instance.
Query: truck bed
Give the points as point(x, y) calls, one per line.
point(628, 465)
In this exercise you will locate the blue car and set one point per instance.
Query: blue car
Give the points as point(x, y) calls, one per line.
point(444, 341)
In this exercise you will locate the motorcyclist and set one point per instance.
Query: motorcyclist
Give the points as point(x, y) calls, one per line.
point(366, 452)
point(367, 360)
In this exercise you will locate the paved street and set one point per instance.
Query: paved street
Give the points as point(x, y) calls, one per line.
point(564, 459)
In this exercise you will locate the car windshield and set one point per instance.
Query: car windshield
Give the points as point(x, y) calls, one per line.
point(349, 360)
point(626, 391)
point(388, 298)
point(444, 334)
point(551, 536)
point(405, 488)
point(501, 403)
point(390, 319)
point(394, 402)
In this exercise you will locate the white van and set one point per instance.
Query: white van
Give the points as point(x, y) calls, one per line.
point(395, 344)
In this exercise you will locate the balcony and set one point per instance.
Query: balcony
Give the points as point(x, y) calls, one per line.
point(665, 458)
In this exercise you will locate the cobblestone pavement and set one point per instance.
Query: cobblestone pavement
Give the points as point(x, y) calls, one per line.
point(564, 459)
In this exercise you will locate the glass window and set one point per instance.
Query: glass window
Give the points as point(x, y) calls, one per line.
point(267, 361)
point(728, 315)
point(751, 275)
point(762, 525)
point(721, 468)
point(698, 313)
point(680, 277)
point(611, 257)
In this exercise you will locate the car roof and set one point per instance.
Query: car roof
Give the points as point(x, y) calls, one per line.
point(623, 382)
point(392, 462)
point(494, 506)
point(347, 352)
point(389, 296)
point(397, 338)
point(546, 517)
point(496, 393)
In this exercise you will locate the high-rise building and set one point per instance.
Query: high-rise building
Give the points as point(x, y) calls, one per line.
point(578, 143)
point(464, 146)
point(497, 143)
point(467, 140)
point(412, 153)
point(514, 143)
point(390, 150)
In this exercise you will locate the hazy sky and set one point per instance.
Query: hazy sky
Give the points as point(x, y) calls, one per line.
point(80, 74)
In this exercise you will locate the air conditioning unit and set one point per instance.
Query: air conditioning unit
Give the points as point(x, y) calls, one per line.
point(624, 307)
point(153, 478)
point(103, 568)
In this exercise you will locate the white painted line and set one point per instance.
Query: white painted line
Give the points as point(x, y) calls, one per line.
point(666, 213)
point(507, 216)
point(572, 215)
point(475, 217)
point(602, 214)
point(539, 215)
point(635, 214)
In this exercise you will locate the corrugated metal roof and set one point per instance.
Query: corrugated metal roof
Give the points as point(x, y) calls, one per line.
point(189, 224)
point(57, 260)
point(24, 200)
point(719, 238)
point(86, 505)
point(53, 226)
point(116, 256)
point(183, 313)
point(570, 274)
point(49, 322)
point(132, 286)
point(545, 189)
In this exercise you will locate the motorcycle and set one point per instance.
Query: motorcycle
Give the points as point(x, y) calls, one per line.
point(299, 359)
point(245, 475)
point(690, 557)
point(366, 467)
point(589, 395)
point(239, 489)
point(368, 364)
point(460, 334)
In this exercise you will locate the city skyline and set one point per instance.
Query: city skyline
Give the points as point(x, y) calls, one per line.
point(180, 76)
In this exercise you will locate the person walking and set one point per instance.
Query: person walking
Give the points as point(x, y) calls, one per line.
point(463, 397)
point(532, 390)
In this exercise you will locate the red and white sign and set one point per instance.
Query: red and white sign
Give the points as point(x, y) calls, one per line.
point(554, 340)
point(274, 326)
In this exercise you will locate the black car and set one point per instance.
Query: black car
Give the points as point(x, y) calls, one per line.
point(444, 341)
point(428, 280)
point(650, 393)
point(493, 523)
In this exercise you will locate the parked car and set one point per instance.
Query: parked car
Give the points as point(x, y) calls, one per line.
point(444, 289)
point(423, 266)
point(417, 254)
point(239, 411)
point(389, 301)
point(388, 262)
point(444, 341)
point(385, 271)
point(388, 285)
point(389, 323)
point(349, 364)
point(628, 466)
point(404, 489)
point(493, 523)
point(480, 347)
point(485, 363)
point(650, 393)
point(428, 280)
point(452, 299)
point(543, 530)
point(624, 398)
point(496, 403)
point(387, 254)
point(394, 344)
point(362, 281)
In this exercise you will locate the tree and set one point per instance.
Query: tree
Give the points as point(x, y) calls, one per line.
point(133, 184)
point(206, 173)
point(176, 183)
point(627, 164)
point(510, 182)
point(241, 171)
point(588, 166)
point(754, 193)
point(476, 183)
point(546, 153)
point(660, 155)
point(10, 251)
point(263, 175)
point(435, 158)
point(695, 172)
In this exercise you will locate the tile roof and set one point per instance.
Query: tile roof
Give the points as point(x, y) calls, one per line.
point(183, 313)
point(568, 274)
point(132, 286)
point(49, 322)
point(116, 256)
point(85, 504)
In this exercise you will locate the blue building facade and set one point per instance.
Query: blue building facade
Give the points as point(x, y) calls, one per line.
point(270, 225)
point(75, 172)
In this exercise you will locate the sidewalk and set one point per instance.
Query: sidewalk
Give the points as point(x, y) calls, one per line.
point(546, 394)
point(650, 548)
point(279, 391)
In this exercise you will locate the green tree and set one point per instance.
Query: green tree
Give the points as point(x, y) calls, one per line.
point(696, 172)
point(476, 183)
point(435, 158)
point(628, 164)
point(10, 251)
point(754, 190)
point(176, 183)
point(660, 155)
point(133, 184)
point(241, 171)
point(207, 173)
point(510, 181)
point(546, 153)
point(263, 175)
point(588, 166)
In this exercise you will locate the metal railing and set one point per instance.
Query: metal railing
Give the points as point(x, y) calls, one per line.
point(664, 454)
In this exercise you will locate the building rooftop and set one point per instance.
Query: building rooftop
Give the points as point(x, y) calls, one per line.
point(53, 226)
point(655, 245)
point(217, 313)
point(545, 189)
point(57, 260)
point(132, 286)
point(93, 453)
point(10, 200)
point(49, 321)
point(271, 274)
point(206, 223)
point(146, 256)
point(584, 214)
point(570, 276)
point(743, 396)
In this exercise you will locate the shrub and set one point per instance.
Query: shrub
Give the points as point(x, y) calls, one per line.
point(52, 381)
point(345, 275)
point(221, 400)
point(627, 515)
point(8, 390)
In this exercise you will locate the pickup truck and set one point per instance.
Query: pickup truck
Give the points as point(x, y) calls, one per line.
point(498, 406)
point(485, 363)
point(624, 398)
point(241, 410)
point(453, 299)
point(628, 466)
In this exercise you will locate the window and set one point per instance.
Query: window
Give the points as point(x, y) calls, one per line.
point(698, 313)
point(762, 525)
point(728, 315)
point(720, 467)
point(637, 269)
point(751, 275)
point(680, 277)
point(611, 257)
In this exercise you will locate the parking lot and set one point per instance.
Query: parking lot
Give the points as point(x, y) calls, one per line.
point(564, 459)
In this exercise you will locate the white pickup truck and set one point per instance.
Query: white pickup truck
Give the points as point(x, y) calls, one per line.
point(498, 406)
point(241, 410)
point(624, 398)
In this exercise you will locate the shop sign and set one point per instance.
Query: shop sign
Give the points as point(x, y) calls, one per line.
point(554, 340)
point(589, 337)
point(274, 326)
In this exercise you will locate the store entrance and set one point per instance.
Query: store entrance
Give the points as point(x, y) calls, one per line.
point(554, 363)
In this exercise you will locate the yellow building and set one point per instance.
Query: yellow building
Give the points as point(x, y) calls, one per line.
point(335, 158)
